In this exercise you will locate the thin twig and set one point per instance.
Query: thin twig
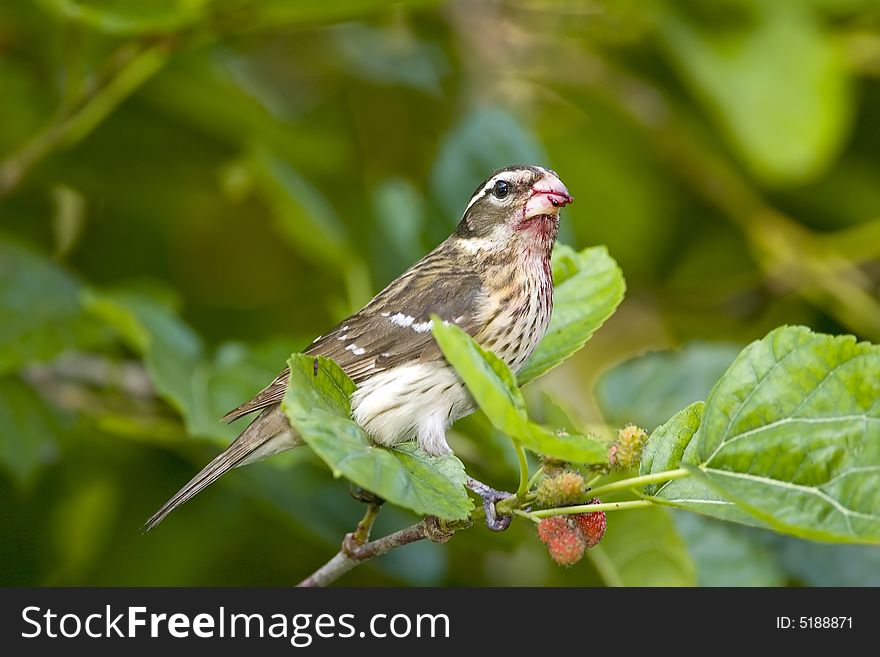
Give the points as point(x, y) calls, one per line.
point(365, 526)
point(353, 553)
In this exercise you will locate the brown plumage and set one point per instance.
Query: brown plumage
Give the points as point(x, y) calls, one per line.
point(491, 277)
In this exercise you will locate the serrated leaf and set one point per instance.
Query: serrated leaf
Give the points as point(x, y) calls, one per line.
point(590, 290)
point(494, 388)
point(694, 494)
point(572, 447)
point(317, 405)
point(792, 433)
point(488, 379)
point(40, 314)
point(666, 446)
point(671, 446)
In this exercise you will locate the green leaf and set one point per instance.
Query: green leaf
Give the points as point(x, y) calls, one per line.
point(590, 290)
point(792, 434)
point(493, 386)
point(199, 388)
point(773, 80)
point(666, 447)
point(40, 314)
point(728, 555)
point(694, 494)
point(642, 548)
point(789, 435)
point(670, 446)
point(488, 379)
point(649, 389)
point(573, 447)
point(172, 352)
point(29, 430)
point(317, 405)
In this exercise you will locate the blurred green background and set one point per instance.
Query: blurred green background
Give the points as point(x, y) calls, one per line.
point(192, 189)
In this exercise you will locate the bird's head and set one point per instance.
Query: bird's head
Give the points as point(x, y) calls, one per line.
point(516, 205)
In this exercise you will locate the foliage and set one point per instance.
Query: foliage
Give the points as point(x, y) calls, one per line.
point(317, 404)
point(191, 190)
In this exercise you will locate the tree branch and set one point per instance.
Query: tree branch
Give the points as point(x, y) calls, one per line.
point(354, 553)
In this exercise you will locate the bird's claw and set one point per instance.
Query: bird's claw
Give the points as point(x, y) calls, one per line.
point(490, 496)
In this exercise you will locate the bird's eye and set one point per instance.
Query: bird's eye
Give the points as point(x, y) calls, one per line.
point(501, 189)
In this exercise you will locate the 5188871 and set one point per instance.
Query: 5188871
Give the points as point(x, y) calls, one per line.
point(814, 622)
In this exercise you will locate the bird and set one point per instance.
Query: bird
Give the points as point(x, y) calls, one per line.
point(491, 277)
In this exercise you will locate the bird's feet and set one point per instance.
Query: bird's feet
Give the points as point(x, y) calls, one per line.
point(494, 522)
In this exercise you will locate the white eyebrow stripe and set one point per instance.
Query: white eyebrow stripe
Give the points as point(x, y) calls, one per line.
point(511, 175)
point(476, 197)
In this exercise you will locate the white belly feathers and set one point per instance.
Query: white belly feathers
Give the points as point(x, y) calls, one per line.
point(419, 400)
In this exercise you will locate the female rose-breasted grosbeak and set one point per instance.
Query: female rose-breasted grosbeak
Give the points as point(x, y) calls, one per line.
point(491, 277)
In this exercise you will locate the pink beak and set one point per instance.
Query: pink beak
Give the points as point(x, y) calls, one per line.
point(548, 195)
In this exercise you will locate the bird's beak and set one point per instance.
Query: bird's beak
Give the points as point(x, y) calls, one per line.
point(548, 196)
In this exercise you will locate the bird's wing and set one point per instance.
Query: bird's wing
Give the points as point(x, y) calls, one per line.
point(394, 327)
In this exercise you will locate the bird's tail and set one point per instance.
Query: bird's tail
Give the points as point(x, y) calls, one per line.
point(268, 434)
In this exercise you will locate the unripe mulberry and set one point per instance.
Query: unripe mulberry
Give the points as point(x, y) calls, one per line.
point(626, 452)
point(563, 488)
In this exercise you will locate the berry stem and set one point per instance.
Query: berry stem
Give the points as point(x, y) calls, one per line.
point(592, 480)
point(526, 514)
point(638, 482)
point(523, 470)
point(535, 477)
point(590, 508)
